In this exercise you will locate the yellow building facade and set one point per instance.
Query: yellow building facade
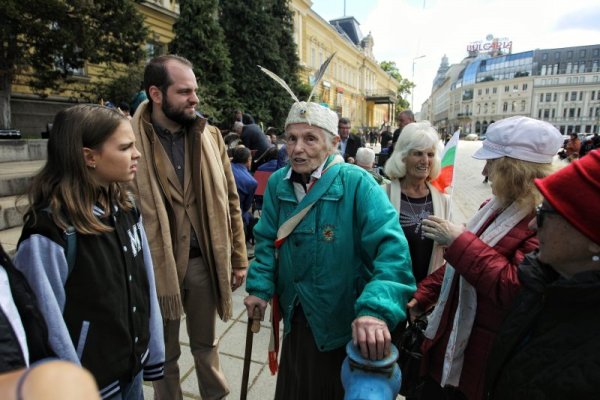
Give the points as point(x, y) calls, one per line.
point(354, 85)
point(31, 113)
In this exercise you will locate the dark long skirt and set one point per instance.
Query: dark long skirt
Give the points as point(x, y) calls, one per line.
point(305, 372)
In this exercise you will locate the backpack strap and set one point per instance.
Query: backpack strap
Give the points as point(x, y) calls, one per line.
point(70, 236)
point(70, 248)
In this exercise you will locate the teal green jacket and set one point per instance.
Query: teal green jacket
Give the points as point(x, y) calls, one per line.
point(347, 258)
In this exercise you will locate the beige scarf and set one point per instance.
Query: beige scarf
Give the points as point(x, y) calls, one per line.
point(211, 192)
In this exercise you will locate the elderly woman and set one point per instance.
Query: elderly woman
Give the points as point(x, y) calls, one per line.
point(548, 346)
point(475, 288)
point(412, 166)
point(328, 243)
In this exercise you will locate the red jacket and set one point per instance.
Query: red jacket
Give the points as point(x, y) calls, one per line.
point(493, 273)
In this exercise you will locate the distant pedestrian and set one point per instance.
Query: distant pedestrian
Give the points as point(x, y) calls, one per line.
point(404, 118)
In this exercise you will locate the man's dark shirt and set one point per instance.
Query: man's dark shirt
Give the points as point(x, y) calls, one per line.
point(174, 145)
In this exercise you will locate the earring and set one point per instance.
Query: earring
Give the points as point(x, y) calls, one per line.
point(596, 258)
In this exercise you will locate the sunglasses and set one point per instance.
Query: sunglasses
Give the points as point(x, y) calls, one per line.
point(540, 213)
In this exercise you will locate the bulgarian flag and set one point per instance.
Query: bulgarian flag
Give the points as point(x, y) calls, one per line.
point(446, 177)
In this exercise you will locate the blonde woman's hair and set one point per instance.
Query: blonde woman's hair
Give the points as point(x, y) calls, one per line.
point(415, 136)
point(513, 180)
point(64, 186)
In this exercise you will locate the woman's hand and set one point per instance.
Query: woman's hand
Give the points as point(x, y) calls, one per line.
point(414, 309)
point(441, 231)
point(252, 302)
point(372, 336)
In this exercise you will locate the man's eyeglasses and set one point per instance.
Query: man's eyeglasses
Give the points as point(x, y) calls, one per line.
point(540, 212)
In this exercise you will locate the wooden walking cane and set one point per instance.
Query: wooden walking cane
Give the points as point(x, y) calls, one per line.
point(253, 327)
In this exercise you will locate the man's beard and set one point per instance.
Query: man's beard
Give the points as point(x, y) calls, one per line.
point(178, 116)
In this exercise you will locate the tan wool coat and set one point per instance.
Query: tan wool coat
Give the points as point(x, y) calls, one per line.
point(168, 211)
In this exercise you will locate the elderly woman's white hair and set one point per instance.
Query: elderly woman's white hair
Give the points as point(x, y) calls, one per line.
point(415, 136)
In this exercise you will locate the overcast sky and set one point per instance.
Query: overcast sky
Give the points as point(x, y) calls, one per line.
point(406, 29)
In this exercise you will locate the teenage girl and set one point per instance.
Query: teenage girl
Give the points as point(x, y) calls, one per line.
point(84, 251)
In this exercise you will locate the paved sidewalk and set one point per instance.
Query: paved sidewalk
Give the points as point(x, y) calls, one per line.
point(468, 195)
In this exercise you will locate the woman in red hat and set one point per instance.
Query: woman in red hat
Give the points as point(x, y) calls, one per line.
point(548, 346)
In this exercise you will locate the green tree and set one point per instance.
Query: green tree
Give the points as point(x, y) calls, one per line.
point(260, 33)
point(200, 38)
point(123, 87)
point(405, 86)
point(48, 39)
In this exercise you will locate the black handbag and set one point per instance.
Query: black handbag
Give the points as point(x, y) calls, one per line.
point(410, 355)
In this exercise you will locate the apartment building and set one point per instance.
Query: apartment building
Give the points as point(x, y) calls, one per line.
point(560, 86)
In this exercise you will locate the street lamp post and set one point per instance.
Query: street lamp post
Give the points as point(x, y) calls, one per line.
point(412, 92)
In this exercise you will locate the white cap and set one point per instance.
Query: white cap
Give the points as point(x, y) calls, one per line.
point(313, 114)
point(521, 138)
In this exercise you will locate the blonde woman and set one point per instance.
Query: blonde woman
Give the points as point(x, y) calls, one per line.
point(473, 291)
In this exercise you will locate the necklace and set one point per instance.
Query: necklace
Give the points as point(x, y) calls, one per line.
point(415, 218)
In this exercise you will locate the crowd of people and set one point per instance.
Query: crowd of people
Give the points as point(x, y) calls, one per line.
point(136, 221)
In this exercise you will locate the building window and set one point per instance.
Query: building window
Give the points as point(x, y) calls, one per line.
point(506, 88)
point(567, 96)
point(578, 112)
point(595, 52)
point(554, 97)
point(571, 113)
point(544, 56)
point(524, 86)
point(548, 96)
point(522, 105)
point(541, 97)
point(543, 70)
point(515, 87)
point(553, 112)
point(513, 106)
point(546, 113)
point(487, 90)
point(573, 96)
point(593, 95)
point(582, 53)
point(580, 96)
point(494, 90)
point(595, 66)
point(569, 68)
point(582, 67)
point(479, 92)
point(505, 107)
point(570, 54)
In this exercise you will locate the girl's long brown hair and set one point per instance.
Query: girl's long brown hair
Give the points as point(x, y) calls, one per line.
point(64, 185)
